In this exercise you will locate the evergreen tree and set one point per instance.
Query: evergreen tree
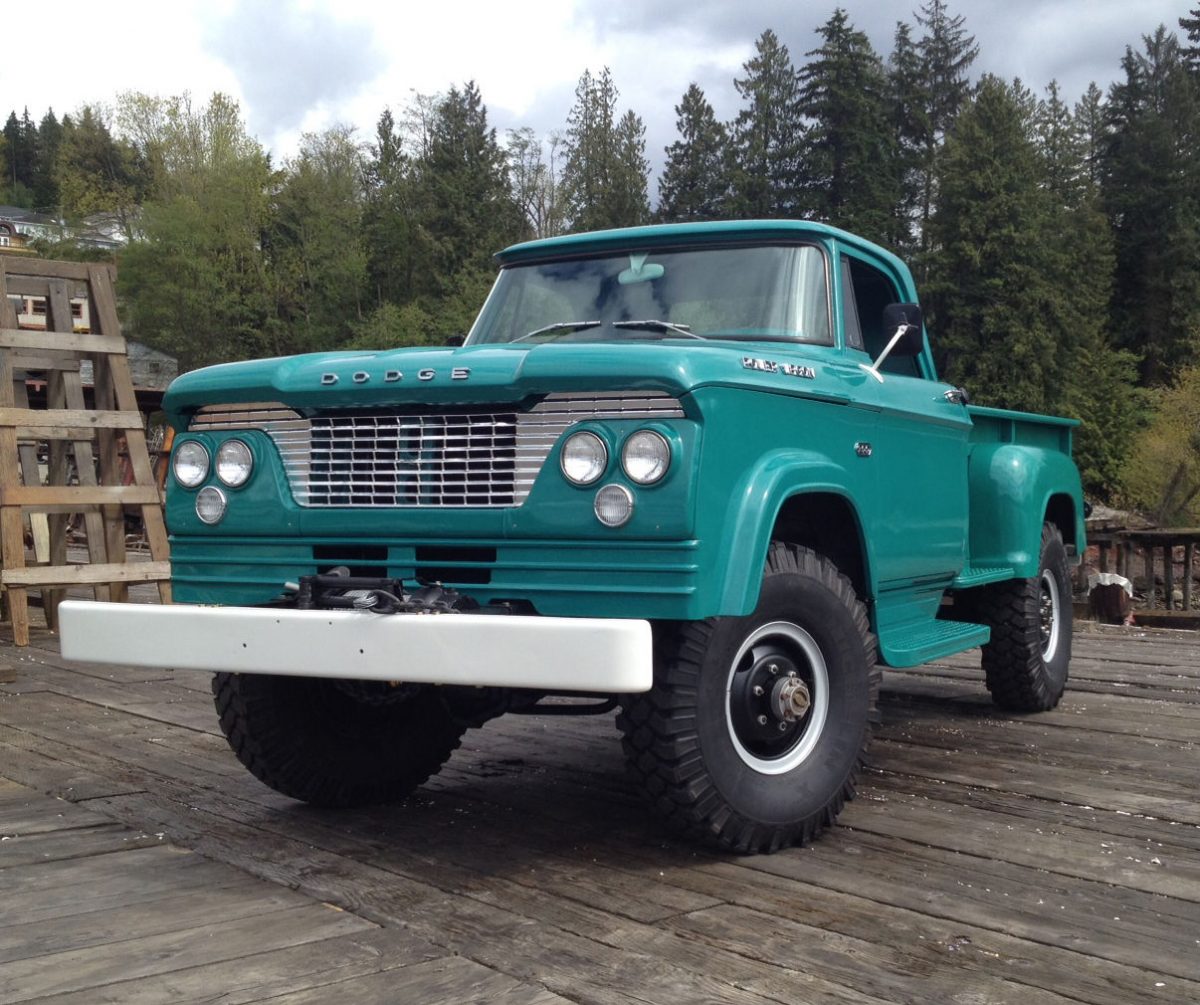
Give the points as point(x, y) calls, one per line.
point(1151, 187)
point(1190, 54)
point(909, 122)
point(45, 182)
point(469, 210)
point(20, 145)
point(694, 183)
point(947, 52)
point(395, 244)
point(97, 173)
point(767, 134)
point(1096, 380)
point(603, 180)
point(991, 291)
point(1089, 117)
point(849, 178)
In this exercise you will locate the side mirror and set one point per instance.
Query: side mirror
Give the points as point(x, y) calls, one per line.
point(912, 341)
point(904, 323)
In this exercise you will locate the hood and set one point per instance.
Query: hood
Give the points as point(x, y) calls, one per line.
point(468, 374)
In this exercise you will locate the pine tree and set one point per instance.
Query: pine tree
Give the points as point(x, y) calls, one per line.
point(990, 290)
point(767, 134)
point(1095, 381)
point(469, 210)
point(947, 52)
point(1191, 53)
point(909, 122)
point(1151, 187)
point(45, 182)
point(604, 174)
point(694, 183)
point(1089, 117)
point(849, 178)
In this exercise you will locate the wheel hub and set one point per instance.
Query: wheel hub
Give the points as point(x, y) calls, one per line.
point(790, 700)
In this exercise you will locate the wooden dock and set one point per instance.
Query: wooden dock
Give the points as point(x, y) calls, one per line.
point(989, 858)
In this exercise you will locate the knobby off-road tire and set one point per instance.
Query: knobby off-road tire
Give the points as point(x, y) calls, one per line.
point(319, 742)
point(697, 744)
point(1027, 659)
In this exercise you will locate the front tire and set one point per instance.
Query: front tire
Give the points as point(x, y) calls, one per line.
point(755, 728)
point(1026, 662)
point(335, 743)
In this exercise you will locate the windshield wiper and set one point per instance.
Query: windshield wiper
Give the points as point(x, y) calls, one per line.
point(654, 325)
point(559, 326)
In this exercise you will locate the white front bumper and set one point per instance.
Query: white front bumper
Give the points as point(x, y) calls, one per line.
point(555, 654)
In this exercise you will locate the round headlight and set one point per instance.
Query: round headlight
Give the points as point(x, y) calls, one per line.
point(210, 504)
point(584, 458)
point(190, 463)
point(614, 505)
point(646, 457)
point(234, 463)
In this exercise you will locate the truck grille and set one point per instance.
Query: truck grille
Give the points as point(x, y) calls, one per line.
point(391, 458)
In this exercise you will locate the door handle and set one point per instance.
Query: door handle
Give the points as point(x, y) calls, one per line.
point(957, 396)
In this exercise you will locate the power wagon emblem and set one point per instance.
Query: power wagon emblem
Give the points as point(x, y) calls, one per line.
point(770, 366)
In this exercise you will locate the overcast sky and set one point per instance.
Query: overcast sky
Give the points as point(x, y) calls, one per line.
point(303, 65)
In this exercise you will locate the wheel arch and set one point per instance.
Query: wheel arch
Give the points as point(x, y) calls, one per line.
point(799, 498)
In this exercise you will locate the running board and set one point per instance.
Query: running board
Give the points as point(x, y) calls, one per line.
point(981, 575)
point(910, 646)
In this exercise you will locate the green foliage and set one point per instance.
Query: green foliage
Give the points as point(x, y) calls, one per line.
point(314, 242)
point(1151, 186)
point(1162, 474)
point(604, 174)
point(196, 282)
point(98, 173)
point(695, 181)
point(767, 134)
point(849, 176)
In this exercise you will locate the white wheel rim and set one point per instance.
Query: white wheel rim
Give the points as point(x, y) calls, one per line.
point(805, 647)
point(1050, 621)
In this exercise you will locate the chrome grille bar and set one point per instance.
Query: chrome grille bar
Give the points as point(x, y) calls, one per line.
point(399, 459)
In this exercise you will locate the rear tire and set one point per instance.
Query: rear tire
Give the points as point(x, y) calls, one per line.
point(1027, 660)
point(755, 728)
point(334, 743)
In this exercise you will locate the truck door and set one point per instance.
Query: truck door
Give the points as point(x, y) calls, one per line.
point(919, 450)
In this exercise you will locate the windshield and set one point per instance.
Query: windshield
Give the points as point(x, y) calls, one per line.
point(773, 292)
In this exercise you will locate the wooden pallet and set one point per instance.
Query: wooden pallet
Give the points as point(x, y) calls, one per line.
point(95, 486)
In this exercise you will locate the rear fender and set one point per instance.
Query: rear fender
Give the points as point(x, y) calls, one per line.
point(1013, 488)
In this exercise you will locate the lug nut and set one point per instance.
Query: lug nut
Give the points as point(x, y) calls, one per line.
point(758, 691)
point(783, 727)
point(773, 668)
point(762, 720)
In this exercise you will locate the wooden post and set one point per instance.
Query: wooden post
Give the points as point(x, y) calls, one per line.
point(1169, 575)
point(1189, 555)
point(1150, 588)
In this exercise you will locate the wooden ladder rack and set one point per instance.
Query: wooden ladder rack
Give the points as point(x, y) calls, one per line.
point(68, 430)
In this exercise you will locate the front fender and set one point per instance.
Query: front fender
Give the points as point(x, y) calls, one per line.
point(1011, 487)
point(754, 504)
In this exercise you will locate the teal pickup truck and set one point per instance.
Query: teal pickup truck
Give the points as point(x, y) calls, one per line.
point(704, 473)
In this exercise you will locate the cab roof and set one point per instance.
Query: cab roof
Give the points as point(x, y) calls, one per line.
point(686, 234)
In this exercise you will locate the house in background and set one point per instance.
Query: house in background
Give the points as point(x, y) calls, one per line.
point(12, 241)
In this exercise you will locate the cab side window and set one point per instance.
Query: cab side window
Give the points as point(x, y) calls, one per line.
point(872, 292)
